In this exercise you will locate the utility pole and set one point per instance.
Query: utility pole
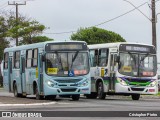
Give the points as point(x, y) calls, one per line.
point(16, 4)
point(154, 42)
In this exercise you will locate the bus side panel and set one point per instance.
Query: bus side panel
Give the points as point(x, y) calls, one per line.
point(17, 78)
point(8, 76)
point(27, 81)
point(32, 79)
point(6, 79)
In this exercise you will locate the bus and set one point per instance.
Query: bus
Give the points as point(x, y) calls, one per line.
point(48, 69)
point(128, 69)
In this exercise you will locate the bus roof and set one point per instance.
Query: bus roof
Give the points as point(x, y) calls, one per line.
point(116, 44)
point(37, 45)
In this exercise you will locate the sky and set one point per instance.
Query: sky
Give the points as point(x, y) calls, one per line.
point(64, 16)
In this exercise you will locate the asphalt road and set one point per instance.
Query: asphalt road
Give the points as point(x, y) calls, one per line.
point(111, 103)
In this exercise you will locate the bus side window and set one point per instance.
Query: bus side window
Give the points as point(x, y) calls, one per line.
point(29, 58)
point(93, 55)
point(6, 58)
point(17, 59)
point(35, 57)
point(103, 57)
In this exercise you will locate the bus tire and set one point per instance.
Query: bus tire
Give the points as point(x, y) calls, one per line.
point(100, 90)
point(15, 91)
point(38, 96)
point(75, 97)
point(135, 96)
point(93, 95)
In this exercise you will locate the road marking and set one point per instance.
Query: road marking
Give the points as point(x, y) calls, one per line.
point(33, 104)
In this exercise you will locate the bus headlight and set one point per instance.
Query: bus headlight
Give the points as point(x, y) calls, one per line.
point(50, 83)
point(84, 83)
point(152, 84)
point(122, 82)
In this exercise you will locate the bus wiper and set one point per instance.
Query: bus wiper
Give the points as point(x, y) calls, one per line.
point(59, 59)
point(132, 57)
point(73, 59)
point(144, 57)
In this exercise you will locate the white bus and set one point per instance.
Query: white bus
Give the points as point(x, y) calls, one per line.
point(123, 69)
point(47, 69)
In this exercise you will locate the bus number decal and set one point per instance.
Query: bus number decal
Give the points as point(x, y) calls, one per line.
point(102, 71)
point(52, 70)
point(37, 72)
point(127, 69)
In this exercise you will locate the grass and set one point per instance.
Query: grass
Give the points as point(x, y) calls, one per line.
point(158, 93)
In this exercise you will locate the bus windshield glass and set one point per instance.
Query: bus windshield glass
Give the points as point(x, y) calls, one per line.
point(61, 63)
point(137, 65)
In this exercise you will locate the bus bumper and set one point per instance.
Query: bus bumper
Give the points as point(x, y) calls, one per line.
point(135, 89)
point(66, 90)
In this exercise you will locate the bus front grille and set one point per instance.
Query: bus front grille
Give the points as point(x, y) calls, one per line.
point(68, 81)
point(138, 80)
point(137, 89)
point(68, 90)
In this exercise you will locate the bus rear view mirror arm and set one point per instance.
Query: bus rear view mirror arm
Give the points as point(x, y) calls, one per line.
point(43, 58)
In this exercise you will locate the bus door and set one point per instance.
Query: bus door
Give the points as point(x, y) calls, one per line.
point(23, 80)
point(9, 74)
point(40, 73)
point(7, 71)
point(113, 70)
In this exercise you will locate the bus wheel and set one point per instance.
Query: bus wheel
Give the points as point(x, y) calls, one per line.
point(135, 96)
point(75, 97)
point(93, 95)
point(38, 96)
point(16, 94)
point(101, 94)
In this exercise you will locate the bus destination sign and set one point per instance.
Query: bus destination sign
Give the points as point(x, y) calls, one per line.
point(66, 46)
point(137, 48)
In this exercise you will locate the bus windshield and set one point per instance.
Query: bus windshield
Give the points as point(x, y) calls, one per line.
point(137, 65)
point(60, 63)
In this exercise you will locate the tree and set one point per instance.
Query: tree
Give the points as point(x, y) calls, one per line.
point(3, 41)
point(96, 35)
point(27, 30)
point(35, 39)
point(24, 28)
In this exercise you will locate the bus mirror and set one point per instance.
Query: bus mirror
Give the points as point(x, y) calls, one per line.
point(117, 59)
point(43, 58)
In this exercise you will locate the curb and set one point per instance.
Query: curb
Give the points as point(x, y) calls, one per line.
point(33, 104)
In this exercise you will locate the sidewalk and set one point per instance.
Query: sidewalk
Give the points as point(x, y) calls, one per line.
point(8, 98)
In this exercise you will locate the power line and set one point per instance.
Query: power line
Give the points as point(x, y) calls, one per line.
point(102, 22)
point(4, 7)
point(16, 4)
point(3, 4)
point(1, 0)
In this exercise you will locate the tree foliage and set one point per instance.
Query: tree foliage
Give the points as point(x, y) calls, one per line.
point(96, 35)
point(35, 39)
point(3, 32)
point(27, 30)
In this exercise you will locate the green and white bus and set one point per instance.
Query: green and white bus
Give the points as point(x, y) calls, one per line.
point(48, 69)
point(123, 69)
